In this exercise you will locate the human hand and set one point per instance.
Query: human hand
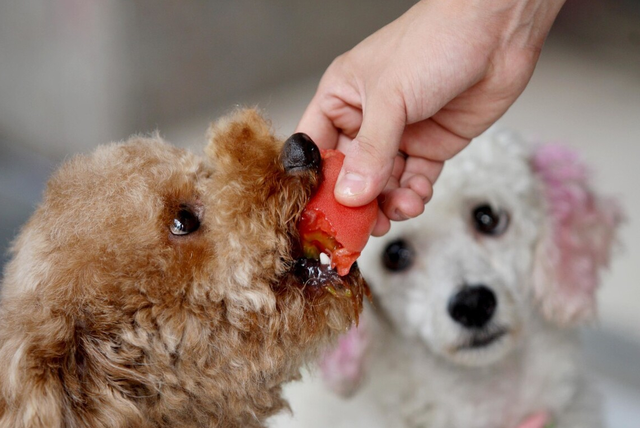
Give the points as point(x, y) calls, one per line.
point(425, 84)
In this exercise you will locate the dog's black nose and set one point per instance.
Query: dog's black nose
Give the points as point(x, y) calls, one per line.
point(473, 306)
point(300, 153)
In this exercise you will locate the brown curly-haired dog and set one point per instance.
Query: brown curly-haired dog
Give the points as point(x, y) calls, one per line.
point(157, 288)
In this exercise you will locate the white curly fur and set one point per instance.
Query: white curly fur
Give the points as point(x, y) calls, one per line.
point(417, 370)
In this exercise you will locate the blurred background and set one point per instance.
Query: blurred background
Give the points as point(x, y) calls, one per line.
point(78, 73)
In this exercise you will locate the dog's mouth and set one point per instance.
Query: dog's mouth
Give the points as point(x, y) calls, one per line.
point(482, 339)
point(328, 237)
point(316, 274)
point(318, 280)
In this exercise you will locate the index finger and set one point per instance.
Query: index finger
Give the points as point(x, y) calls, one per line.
point(318, 126)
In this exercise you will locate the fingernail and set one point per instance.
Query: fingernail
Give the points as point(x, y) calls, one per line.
point(399, 215)
point(351, 184)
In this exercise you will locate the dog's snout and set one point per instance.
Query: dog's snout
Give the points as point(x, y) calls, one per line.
point(300, 153)
point(473, 306)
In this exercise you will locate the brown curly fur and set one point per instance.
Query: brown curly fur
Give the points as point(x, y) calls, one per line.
point(109, 320)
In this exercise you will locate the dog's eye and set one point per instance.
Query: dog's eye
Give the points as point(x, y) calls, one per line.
point(397, 256)
point(184, 222)
point(489, 222)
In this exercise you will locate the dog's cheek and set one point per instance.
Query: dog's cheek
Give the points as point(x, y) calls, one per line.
point(190, 260)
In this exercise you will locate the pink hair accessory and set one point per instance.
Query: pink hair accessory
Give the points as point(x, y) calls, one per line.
point(343, 368)
point(538, 420)
point(580, 235)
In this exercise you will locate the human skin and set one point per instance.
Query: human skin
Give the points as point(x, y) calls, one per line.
point(425, 85)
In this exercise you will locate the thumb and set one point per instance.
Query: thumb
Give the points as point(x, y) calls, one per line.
point(369, 157)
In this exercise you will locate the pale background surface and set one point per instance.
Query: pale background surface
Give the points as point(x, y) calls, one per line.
point(74, 74)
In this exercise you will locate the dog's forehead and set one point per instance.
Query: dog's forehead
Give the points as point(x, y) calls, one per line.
point(495, 165)
point(124, 184)
point(494, 169)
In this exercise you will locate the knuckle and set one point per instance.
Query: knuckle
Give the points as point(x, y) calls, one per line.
point(372, 149)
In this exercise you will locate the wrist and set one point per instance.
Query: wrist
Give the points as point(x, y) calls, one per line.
point(526, 21)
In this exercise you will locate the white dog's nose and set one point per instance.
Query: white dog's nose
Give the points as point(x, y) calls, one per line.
point(473, 306)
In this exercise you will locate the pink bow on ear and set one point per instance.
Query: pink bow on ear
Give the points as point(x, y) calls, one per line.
point(538, 420)
point(343, 367)
point(578, 237)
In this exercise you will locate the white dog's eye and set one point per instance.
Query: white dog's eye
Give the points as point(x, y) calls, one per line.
point(397, 256)
point(184, 222)
point(489, 222)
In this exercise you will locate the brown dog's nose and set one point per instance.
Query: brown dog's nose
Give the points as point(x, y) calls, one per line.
point(300, 153)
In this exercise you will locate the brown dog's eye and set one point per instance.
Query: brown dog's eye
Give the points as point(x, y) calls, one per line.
point(490, 222)
point(184, 223)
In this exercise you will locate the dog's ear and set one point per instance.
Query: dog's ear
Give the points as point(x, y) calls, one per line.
point(344, 366)
point(576, 241)
point(242, 142)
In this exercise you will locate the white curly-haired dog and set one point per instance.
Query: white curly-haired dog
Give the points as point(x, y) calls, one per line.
point(476, 302)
